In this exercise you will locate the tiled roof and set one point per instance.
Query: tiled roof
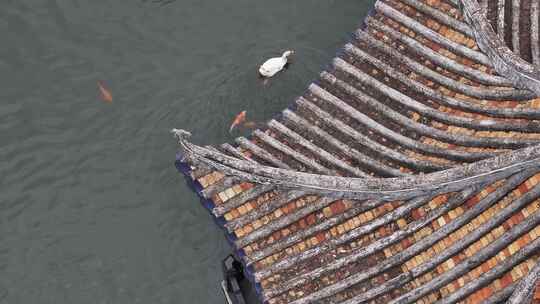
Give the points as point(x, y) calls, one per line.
point(516, 23)
point(431, 148)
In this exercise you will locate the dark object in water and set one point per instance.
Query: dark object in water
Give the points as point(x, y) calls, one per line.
point(232, 276)
point(161, 2)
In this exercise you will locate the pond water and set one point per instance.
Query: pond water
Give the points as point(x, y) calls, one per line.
point(92, 209)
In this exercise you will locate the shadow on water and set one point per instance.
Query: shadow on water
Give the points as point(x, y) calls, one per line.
point(160, 2)
point(92, 209)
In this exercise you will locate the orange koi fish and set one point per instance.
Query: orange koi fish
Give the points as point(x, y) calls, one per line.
point(104, 92)
point(238, 120)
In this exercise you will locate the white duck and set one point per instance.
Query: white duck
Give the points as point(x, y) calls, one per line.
point(274, 65)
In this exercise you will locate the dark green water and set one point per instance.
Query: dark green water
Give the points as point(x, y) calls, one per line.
point(92, 209)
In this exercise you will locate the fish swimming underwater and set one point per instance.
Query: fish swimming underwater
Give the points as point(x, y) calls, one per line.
point(105, 94)
point(238, 120)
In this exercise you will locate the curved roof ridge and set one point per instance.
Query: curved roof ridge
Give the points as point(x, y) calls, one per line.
point(449, 180)
point(506, 62)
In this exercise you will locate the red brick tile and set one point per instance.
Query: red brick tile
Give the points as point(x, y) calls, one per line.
point(416, 214)
point(506, 280)
point(472, 201)
point(311, 219)
point(335, 208)
point(523, 188)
